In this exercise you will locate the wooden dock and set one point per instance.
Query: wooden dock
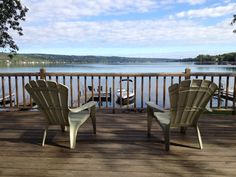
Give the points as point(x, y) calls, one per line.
point(7, 99)
point(93, 97)
point(228, 95)
point(119, 149)
point(98, 94)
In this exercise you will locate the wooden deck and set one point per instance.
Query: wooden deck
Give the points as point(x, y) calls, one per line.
point(120, 148)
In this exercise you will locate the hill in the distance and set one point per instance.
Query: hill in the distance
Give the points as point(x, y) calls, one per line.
point(51, 58)
point(227, 58)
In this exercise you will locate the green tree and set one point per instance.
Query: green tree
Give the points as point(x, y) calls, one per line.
point(233, 22)
point(11, 13)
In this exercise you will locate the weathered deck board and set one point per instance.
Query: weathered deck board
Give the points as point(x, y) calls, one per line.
point(120, 148)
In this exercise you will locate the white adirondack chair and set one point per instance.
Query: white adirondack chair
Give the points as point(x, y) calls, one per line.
point(52, 100)
point(187, 101)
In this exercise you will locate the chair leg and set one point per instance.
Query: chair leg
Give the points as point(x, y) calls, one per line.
point(93, 117)
point(73, 135)
point(94, 124)
point(44, 135)
point(167, 137)
point(199, 137)
point(63, 128)
point(149, 120)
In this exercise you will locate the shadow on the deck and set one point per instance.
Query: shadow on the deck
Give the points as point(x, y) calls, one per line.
point(120, 148)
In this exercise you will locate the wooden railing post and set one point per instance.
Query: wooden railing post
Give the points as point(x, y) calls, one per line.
point(43, 73)
point(187, 73)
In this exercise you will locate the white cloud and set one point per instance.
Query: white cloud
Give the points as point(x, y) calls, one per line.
point(48, 10)
point(192, 2)
point(209, 12)
point(128, 33)
point(63, 24)
point(76, 9)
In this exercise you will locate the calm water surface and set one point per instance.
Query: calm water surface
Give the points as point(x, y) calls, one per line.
point(123, 68)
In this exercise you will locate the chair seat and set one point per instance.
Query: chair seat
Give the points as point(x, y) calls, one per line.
point(163, 117)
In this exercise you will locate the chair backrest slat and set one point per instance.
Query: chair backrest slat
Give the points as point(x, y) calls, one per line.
point(182, 101)
point(208, 90)
point(52, 99)
point(37, 96)
point(188, 100)
point(46, 91)
point(192, 101)
point(63, 101)
point(174, 96)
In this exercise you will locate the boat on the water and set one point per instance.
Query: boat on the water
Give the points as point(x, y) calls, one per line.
point(125, 96)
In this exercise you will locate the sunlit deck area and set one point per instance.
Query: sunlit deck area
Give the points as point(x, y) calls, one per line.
point(120, 148)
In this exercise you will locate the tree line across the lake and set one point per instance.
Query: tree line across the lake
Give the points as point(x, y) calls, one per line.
point(227, 58)
point(51, 58)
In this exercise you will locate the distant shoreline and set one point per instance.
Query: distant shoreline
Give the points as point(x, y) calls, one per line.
point(41, 59)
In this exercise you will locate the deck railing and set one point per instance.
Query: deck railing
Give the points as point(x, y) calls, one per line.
point(102, 87)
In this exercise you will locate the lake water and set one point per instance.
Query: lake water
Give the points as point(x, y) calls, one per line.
point(123, 68)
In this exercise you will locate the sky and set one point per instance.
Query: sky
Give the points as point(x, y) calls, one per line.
point(131, 28)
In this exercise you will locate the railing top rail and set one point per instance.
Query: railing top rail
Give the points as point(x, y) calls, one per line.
point(120, 74)
point(20, 74)
point(212, 74)
point(115, 74)
point(93, 74)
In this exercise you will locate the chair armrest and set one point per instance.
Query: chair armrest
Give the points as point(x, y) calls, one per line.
point(155, 107)
point(83, 107)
